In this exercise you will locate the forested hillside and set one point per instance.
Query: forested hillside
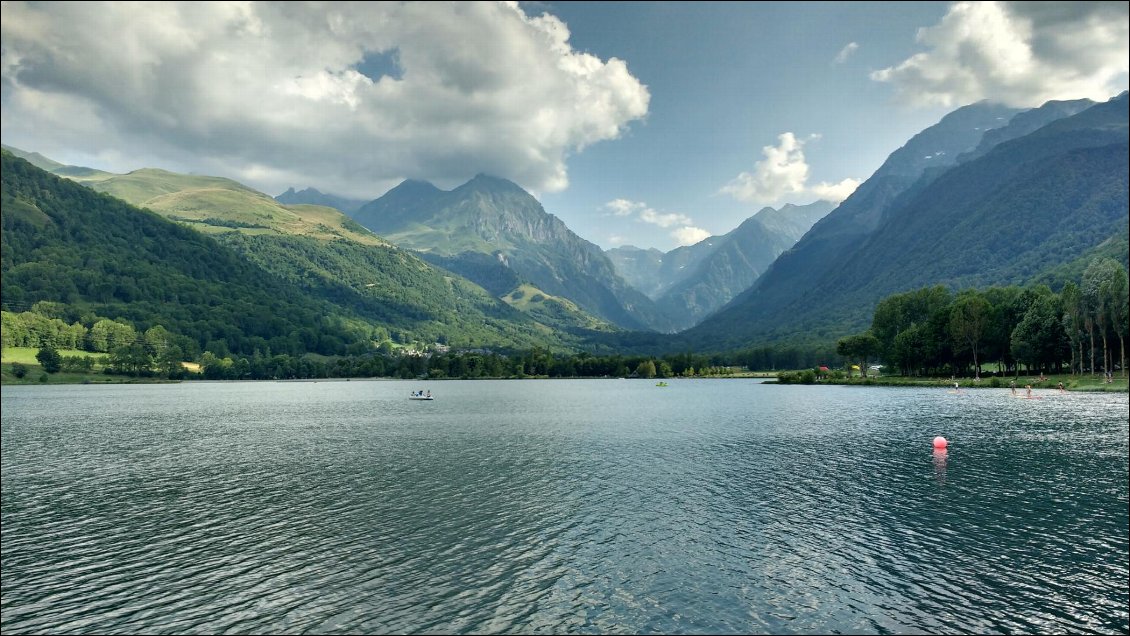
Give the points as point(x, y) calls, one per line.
point(1008, 215)
point(99, 256)
point(496, 234)
point(237, 292)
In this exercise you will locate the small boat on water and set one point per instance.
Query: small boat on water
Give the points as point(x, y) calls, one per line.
point(420, 395)
point(660, 384)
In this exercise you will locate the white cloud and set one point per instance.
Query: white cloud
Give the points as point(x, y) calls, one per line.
point(645, 213)
point(782, 173)
point(846, 52)
point(685, 235)
point(835, 192)
point(1018, 53)
point(276, 90)
point(648, 215)
point(623, 207)
point(688, 235)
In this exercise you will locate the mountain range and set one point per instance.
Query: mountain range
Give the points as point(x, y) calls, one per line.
point(691, 282)
point(990, 195)
point(317, 256)
point(496, 234)
point(955, 206)
point(311, 196)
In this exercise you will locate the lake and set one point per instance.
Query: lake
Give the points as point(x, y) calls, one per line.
point(560, 506)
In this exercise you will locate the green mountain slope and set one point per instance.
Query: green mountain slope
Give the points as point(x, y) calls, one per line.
point(1007, 216)
point(34, 158)
point(768, 307)
point(311, 196)
point(337, 273)
point(496, 234)
point(736, 260)
point(65, 243)
point(396, 290)
point(219, 205)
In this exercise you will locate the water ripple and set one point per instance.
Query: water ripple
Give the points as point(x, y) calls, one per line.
point(560, 507)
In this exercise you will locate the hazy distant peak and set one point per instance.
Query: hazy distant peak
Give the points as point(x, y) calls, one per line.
point(940, 144)
point(34, 158)
point(306, 192)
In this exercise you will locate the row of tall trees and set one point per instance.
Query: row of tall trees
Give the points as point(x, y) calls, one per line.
point(932, 331)
point(465, 364)
point(34, 329)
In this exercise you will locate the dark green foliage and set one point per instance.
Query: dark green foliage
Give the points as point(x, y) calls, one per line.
point(393, 287)
point(49, 359)
point(496, 234)
point(484, 269)
point(859, 348)
point(928, 331)
point(219, 222)
point(1006, 217)
point(807, 376)
point(97, 255)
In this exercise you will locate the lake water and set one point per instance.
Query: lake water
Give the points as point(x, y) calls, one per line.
point(564, 506)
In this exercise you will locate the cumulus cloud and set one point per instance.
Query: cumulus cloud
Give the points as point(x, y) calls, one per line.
point(648, 215)
point(278, 93)
point(689, 235)
point(685, 235)
point(623, 207)
point(1017, 53)
point(846, 52)
point(835, 192)
point(784, 172)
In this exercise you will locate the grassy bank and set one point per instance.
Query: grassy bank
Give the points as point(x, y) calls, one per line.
point(1086, 382)
point(33, 372)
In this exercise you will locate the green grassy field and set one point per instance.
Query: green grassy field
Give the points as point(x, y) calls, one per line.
point(36, 375)
point(1085, 382)
point(218, 205)
point(26, 355)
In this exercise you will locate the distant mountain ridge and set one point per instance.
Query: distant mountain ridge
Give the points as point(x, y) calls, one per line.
point(689, 283)
point(787, 281)
point(988, 196)
point(311, 196)
point(34, 158)
point(498, 235)
point(1003, 214)
point(327, 257)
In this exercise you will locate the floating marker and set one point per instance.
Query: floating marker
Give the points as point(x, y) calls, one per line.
point(940, 442)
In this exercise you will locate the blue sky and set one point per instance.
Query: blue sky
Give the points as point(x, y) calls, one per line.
point(651, 124)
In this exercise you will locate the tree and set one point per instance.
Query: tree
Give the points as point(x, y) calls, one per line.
point(969, 318)
point(157, 340)
point(1098, 284)
point(899, 312)
point(1039, 340)
point(50, 359)
point(1072, 301)
point(131, 359)
point(107, 335)
point(646, 369)
point(1117, 306)
point(858, 347)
